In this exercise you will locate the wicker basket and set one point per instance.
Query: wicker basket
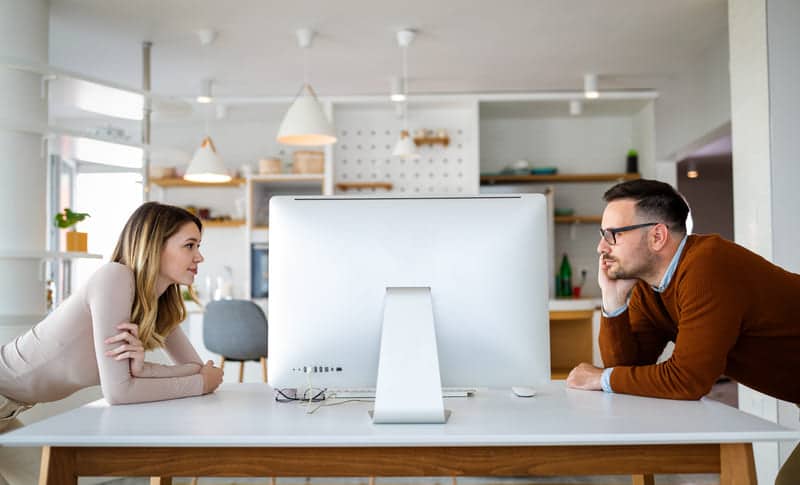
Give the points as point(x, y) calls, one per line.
point(268, 166)
point(308, 162)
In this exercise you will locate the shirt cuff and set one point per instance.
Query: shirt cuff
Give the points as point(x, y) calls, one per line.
point(605, 380)
point(619, 311)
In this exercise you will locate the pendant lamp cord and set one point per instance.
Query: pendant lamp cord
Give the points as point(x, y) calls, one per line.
point(405, 88)
point(208, 107)
point(305, 65)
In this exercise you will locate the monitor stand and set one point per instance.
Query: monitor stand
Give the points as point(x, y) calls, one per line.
point(409, 388)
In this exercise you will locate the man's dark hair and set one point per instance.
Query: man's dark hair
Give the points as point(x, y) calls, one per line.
point(655, 200)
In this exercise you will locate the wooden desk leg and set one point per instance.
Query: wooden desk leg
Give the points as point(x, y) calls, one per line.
point(737, 466)
point(160, 480)
point(643, 480)
point(58, 466)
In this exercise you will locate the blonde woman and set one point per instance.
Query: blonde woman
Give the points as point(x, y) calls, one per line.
point(100, 333)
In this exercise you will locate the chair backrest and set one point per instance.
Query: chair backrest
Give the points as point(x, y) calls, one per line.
point(235, 329)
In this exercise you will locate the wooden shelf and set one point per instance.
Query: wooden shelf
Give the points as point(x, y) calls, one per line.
point(433, 140)
point(48, 255)
point(567, 177)
point(179, 182)
point(226, 223)
point(289, 178)
point(261, 227)
point(578, 219)
point(345, 186)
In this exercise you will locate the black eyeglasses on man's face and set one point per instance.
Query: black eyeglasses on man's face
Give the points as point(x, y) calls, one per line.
point(610, 233)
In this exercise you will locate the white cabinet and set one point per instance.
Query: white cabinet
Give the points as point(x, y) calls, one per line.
point(260, 188)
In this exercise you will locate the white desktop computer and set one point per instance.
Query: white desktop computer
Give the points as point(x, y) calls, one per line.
point(433, 291)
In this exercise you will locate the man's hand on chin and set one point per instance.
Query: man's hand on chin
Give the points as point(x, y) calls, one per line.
point(585, 376)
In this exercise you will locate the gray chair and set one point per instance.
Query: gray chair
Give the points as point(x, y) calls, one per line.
point(237, 331)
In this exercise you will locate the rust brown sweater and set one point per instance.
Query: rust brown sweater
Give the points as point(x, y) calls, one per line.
point(728, 310)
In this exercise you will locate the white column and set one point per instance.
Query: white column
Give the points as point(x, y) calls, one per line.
point(23, 179)
point(764, 68)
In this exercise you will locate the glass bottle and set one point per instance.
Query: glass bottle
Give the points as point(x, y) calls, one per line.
point(565, 278)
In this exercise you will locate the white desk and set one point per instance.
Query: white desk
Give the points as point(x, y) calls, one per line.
point(242, 431)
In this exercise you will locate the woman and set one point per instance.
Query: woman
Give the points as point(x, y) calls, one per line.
point(99, 334)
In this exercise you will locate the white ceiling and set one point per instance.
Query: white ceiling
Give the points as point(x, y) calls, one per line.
point(462, 46)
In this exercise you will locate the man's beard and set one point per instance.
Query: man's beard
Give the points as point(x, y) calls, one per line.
point(643, 265)
point(616, 272)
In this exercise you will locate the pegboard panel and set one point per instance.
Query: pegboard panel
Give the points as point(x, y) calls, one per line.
point(367, 136)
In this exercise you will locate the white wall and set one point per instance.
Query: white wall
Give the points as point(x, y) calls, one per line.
point(644, 139)
point(590, 143)
point(784, 72)
point(581, 144)
point(367, 134)
point(23, 34)
point(783, 17)
point(695, 101)
point(764, 69)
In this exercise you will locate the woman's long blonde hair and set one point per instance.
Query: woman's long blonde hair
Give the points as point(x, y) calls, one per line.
point(139, 248)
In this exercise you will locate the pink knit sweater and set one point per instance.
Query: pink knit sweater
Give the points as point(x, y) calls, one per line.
point(65, 352)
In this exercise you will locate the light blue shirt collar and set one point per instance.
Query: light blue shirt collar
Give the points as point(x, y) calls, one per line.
point(671, 268)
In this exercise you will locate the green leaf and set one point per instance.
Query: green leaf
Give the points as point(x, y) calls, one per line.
point(68, 218)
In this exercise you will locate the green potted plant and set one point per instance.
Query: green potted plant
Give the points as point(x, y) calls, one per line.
point(76, 241)
point(632, 165)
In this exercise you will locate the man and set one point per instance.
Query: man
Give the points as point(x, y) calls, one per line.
point(728, 310)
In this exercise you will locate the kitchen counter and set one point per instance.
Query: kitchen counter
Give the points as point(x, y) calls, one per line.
point(574, 304)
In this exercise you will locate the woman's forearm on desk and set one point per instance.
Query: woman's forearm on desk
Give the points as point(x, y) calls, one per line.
point(152, 370)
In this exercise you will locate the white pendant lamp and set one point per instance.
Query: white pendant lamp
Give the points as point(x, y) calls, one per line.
point(405, 146)
point(206, 166)
point(305, 122)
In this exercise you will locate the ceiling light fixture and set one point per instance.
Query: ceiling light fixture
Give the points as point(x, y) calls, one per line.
point(205, 96)
point(575, 107)
point(691, 170)
point(405, 147)
point(305, 122)
point(398, 89)
point(206, 36)
point(590, 86)
point(206, 165)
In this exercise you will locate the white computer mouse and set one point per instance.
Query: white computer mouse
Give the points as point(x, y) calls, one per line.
point(523, 391)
